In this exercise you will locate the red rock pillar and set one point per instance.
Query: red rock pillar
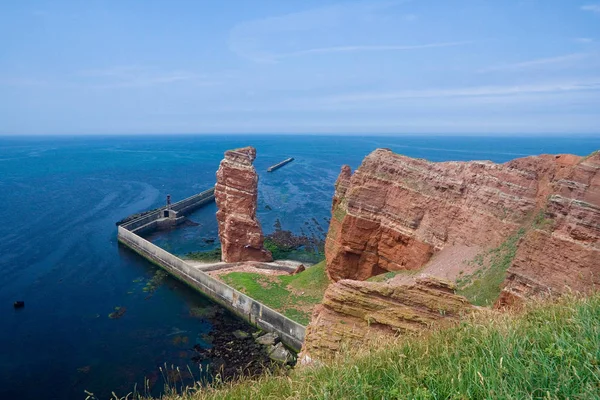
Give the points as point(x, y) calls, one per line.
point(236, 195)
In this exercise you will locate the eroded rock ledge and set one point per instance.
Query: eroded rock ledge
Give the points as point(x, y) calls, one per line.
point(353, 312)
point(236, 194)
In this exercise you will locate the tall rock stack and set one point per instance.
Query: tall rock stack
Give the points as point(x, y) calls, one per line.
point(236, 194)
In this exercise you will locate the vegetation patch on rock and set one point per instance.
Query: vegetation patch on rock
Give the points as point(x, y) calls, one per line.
point(213, 255)
point(284, 245)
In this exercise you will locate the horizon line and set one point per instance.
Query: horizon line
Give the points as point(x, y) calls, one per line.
point(381, 134)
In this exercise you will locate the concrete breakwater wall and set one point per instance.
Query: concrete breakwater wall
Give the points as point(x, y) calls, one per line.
point(280, 164)
point(155, 219)
point(291, 333)
point(254, 312)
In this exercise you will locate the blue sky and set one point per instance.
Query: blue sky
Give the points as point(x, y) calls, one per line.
point(445, 66)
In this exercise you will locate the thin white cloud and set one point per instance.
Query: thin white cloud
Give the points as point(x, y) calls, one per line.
point(479, 91)
point(329, 29)
point(595, 8)
point(560, 61)
point(584, 40)
point(136, 76)
point(352, 49)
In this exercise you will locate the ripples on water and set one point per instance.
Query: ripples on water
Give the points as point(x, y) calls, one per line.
point(60, 198)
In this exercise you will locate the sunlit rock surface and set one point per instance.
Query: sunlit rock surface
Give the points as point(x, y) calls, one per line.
point(236, 194)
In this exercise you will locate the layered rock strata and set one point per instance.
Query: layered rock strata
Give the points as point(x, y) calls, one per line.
point(236, 194)
point(562, 251)
point(354, 312)
point(395, 212)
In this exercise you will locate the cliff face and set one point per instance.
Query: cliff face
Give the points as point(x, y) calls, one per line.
point(562, 252)
point(353, 312)
point(236, 194)
point(395, 212)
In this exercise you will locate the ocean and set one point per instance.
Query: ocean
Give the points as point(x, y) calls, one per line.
point(61, 196)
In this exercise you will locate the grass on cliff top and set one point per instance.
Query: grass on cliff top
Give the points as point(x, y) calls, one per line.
point(292, 295)
point(550, 351)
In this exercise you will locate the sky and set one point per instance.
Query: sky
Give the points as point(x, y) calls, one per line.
point(273, 66)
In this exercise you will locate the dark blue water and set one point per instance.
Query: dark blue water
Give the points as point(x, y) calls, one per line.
point(60, 198)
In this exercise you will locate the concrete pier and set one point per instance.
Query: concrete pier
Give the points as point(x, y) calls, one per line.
point(172, 215)
point(281, 164)
point(254, 312)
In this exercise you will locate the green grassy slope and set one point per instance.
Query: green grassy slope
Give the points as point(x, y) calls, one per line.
point(549, 351)
point(292, 295)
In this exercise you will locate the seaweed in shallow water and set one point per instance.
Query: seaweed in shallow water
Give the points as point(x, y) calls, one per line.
point(118, 313)
point(155, 282)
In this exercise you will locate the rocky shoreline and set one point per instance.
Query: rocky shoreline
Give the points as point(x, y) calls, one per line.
point(234, 349)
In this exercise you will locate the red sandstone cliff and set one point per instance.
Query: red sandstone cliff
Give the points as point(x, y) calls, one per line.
point(395, 212)
point(562, 252)
point(236, 193)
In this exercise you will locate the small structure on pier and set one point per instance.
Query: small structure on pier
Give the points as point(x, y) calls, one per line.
point(279, 165)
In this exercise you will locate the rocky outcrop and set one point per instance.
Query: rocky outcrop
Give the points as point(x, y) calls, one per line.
point(354, 312)
point(236, 194)
point(562, 251)
point(395, 212)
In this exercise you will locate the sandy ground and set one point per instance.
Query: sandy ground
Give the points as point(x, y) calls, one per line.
point(447, 264)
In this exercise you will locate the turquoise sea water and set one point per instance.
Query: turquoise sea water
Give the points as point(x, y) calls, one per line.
point(60, 199)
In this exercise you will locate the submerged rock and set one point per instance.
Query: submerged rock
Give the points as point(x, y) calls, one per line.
point(118, 313)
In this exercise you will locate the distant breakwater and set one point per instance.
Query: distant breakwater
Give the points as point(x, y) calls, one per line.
point(280, 164)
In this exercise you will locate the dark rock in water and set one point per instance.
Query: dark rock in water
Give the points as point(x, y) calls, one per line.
point(19, 304)
point(189, 222)
point(207, 338)
point(268, 207)
point(209, 240)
